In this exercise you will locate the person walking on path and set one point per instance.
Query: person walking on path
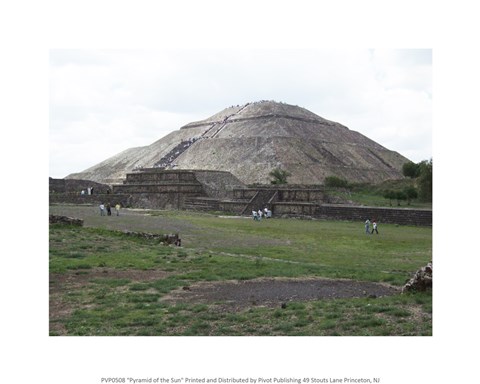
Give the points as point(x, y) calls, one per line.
point(367, 226)
point(109, 209)
point(102, 209)
point(117, 209)
point(374, 227)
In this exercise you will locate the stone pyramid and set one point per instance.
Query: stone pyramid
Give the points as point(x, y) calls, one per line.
point(251, 140)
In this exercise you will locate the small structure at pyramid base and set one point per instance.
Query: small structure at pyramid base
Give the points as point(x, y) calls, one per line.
point(157, 188)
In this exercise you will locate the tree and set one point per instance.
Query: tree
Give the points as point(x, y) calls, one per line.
point(389, 194)
point(400, 195)
point(279, 176)
point(423, 172)
point(411, 170)
point(411, 193)
point(425, 181)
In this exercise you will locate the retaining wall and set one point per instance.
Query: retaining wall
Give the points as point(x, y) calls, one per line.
point(95, 199)
point(404, 216)
point(283, 194)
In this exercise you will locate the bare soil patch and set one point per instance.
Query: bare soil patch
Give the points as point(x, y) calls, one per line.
point(273, 292)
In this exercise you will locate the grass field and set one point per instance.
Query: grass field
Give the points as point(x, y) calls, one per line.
point(103, 282)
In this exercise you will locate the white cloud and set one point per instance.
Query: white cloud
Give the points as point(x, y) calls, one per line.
point(103, 102)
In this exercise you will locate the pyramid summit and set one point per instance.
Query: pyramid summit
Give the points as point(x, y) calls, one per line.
point(251, 140)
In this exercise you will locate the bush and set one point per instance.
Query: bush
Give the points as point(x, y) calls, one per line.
point(336, 182)
point(279, 176)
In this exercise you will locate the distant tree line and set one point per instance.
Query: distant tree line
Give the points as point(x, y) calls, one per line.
point(420, 188)
point(422, 172)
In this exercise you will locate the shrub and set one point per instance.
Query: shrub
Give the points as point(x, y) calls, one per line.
point(279, 176)
point(336, 182)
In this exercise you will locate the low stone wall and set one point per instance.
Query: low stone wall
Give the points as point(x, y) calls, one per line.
point(283, 194)
point(294, 209)
point(75, 186)
point(55, 219)
point(158, 175)
point(95, 199)
point(403, 216)
point(188, 188)
point(171, 200)
point(300, 195)
point(233, 206)
point(162, 238)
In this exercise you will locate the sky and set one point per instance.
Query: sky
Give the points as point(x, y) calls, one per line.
point(105, 101)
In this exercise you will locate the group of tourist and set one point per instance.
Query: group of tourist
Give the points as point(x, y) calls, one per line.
point(108, 208)
point(367, 227)
point(257, 215)
point(168, 159)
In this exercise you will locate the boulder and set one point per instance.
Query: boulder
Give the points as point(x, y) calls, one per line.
point(421, 281)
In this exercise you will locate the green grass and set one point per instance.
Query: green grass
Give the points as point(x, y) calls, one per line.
point(219, 249)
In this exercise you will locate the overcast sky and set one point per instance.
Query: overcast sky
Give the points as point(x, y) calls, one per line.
point(105, 101)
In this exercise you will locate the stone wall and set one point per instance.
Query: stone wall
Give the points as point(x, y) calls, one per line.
point(75, 186)
point(294, 209)
point(403, 216)
point(171, 189)
point(189, 188)
point(283, 194)
point(95, 199)
point(158, 175)
point(303, 195)
point(218, 184)
point(304, 202)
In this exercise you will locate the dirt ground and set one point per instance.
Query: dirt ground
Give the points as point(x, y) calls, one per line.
point(273, 292)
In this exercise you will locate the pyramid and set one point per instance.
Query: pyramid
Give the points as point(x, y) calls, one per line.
point(251, 140)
